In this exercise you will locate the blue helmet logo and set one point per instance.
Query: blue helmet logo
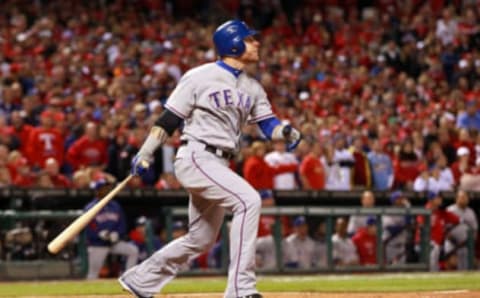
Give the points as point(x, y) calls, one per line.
point(228, 38)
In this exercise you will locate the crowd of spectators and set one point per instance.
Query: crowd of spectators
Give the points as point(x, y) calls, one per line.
point(386, 95)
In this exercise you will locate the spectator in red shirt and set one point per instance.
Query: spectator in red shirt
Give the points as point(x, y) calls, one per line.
point(438, 221)
point(52, 169)
point(88, 150)
point(407, 166)
point(462, 165)
point(20, 130)
point(361, 169)
point(24, 177)
point(45, 141)
point(312, 172)
point(258, 173)
point(365, 239)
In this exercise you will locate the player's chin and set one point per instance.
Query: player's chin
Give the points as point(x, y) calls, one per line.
point(252, 59)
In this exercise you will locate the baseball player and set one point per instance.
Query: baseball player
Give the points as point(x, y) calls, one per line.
point(344, 250)
point(395, 230)
point(360, 221)
point(299, 248)
point(215, 101)
point(457, 236)
point(105, 232)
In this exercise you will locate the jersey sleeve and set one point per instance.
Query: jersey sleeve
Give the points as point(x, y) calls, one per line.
point(261, 109)
point(182, 99)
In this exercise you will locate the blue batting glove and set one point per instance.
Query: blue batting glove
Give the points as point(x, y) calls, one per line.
point(292, 137)
point(140, 166)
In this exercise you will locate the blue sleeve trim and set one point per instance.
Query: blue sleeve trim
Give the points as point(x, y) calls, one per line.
point(267, 126)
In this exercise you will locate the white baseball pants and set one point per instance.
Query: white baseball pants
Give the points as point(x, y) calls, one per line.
point(213, 187)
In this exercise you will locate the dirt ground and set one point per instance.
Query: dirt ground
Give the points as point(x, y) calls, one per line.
point(438, 294)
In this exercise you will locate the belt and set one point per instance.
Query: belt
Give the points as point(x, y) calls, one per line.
point(214, 150)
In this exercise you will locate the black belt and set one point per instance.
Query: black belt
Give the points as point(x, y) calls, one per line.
point(214, 150)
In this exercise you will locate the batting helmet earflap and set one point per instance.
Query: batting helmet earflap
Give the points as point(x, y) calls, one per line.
point(228, 38)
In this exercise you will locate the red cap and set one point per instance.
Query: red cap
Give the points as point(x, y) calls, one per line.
point(46, 114)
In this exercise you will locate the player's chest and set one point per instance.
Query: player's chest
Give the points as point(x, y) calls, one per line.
point(227, 97)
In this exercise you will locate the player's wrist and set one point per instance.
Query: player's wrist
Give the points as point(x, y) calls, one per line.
point(155, 139)
point(278, 132)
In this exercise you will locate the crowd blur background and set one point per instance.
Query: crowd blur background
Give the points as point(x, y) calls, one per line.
point(386, 93)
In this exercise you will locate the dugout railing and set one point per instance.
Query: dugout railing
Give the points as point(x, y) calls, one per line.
point(71, 262)
point(329, 214)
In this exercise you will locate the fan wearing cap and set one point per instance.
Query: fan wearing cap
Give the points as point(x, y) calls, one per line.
point(462, 165)
point(299, 247)
point(395, 230)
point(439, 220)
point(281, 157)
point(365, 240)
point(106, 232)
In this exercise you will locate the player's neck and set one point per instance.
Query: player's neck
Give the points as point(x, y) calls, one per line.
point(233, 62)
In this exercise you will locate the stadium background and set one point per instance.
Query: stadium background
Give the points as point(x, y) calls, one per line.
point(400, 73)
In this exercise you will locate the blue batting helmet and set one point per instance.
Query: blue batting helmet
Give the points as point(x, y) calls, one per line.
point(228, 38)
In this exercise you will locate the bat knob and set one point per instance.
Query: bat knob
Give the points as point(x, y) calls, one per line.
point(144, 164)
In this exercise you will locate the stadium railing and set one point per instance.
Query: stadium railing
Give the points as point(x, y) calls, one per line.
point(329, 214)
point(24, 237)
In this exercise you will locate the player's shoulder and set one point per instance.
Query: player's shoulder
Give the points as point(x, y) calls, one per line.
point(252, 82)
point(200, 71)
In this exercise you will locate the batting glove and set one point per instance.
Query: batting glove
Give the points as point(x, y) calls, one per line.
point(114, 237)
point(140, 165)
point(292, 137)
point(104, 235)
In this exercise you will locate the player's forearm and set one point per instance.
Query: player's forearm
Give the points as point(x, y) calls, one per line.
point(163, 128)
point(272, 128)
point(155, 139)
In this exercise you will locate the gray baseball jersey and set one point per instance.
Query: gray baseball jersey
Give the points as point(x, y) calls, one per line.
point(299, 251)
point(344, 250)
point(466, 215)
point(460, 233)
point(356, 222)
point(215, 102)
point(215, 106)
point(395, 249)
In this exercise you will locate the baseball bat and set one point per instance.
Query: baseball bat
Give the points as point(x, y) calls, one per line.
point(77, 226)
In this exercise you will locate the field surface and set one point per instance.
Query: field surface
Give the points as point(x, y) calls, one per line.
point(409, 285)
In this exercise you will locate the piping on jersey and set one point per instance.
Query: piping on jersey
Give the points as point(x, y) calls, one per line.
point(243, 217)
